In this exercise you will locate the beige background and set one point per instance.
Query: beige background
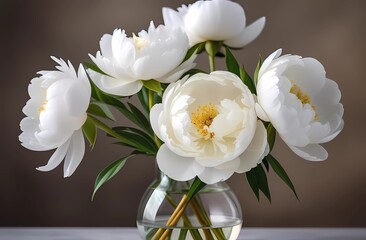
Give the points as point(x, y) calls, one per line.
point(332, 193)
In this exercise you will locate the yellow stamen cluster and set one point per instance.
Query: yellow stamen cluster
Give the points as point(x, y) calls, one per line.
point(303, 97)
point(202, 118)
point(43, 106)
point(139, 43)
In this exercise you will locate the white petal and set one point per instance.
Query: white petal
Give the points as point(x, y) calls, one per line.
point(175, 74)
point(311, 152)
point(233, 164)
point(161, 58)
point(67, 69)
point(105, 45)
point(307, 73)
point(229, 120)
point(198, 168)
point(120, 87)
point(56, 124)
point(35, 89)
point(255, 151)
point(83, 77)
point(56, 158)
point(215, 20)
point(334, 134)
point(172, 18)
point(155, 113)
point(37, 97)
point(268, 61)
point(77, 99)
point(75, 153)
point(126, 58)
point(249, 33)
point(212, 175)
point(117, 43)
point(176, 167)
point(29, 127)
point(261, 113)
point(106, 65)
point(287, 122)
point(328, 107)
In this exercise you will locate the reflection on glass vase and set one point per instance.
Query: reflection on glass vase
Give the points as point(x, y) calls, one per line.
point(214, 213)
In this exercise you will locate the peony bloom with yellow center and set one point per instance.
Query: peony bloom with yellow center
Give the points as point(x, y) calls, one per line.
point(214, 20)
point(55, 114)
point(154, 54)
point(302, 104)
point(209, 127)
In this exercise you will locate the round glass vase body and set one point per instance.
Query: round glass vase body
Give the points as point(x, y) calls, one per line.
point(213, 213)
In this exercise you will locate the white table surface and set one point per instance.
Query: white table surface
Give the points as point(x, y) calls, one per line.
point(131, 234)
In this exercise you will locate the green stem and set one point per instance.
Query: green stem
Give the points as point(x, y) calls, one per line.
point(212, 62)
point(212, 48)
point(198, 212)
point(196, 186)
point(183, 234)
point(205, 220)
point(151, 99)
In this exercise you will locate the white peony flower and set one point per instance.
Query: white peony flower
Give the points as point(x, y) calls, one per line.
point(301, 103)
point(210, 128)
point(215, 20)
point(155, 54)
point(55, 114)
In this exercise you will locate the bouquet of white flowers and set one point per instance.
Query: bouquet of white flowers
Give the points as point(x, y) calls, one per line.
point(199, 125)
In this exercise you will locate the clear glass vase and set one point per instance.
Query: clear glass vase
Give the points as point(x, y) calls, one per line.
point(214, 212)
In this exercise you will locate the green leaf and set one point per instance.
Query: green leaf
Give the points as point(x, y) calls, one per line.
point(196, 186)
point(196, 49)
point(110, 171)
point(143, 96)
point(131, 142)
point(256, 72)
point(101, 110)
point(133, 118)
point(139, 137)
point(266, 164)
point(90, 131)
point(247, 80)
point(253, 183)
point(153, 85)
point(113, 101)
point(141, 116)
point(271, 136)
point(257, 180)
point(94, 67)
point(278, 169)
point(262, 181)
point(137, 142)
point(231, 63)
point(135, 150)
